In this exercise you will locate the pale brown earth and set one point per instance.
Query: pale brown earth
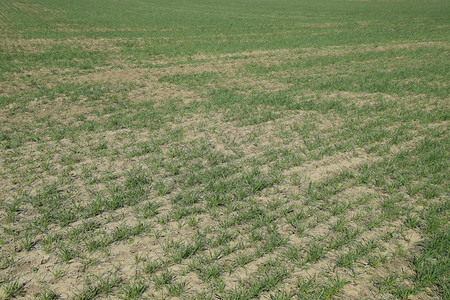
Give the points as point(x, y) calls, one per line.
point(22, 170)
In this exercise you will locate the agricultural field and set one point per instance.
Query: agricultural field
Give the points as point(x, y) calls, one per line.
point(212, 149)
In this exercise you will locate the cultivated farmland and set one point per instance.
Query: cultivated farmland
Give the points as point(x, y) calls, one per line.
point(268, 149)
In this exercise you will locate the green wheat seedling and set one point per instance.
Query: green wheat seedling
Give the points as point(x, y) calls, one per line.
point(47, 294)
point(12, 289)
point(132, 290)
point(97, 286)
point(163, 278)
point(6, 260)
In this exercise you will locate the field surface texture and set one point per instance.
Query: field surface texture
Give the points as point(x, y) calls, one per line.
point(224, 149)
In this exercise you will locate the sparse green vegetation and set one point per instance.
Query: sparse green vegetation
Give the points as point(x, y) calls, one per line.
point(224, 149)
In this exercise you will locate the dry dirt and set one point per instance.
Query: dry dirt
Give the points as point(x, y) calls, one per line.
point(38, 268)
